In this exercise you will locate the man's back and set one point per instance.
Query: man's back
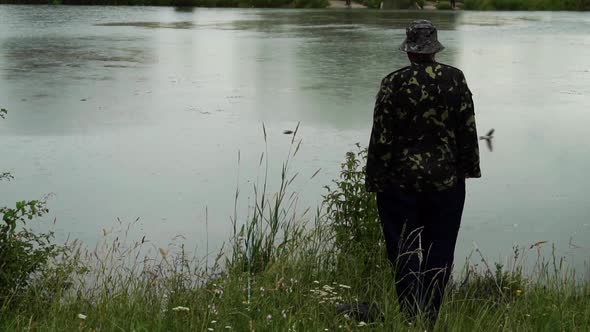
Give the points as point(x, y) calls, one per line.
point(423, 145)
point(424, 135)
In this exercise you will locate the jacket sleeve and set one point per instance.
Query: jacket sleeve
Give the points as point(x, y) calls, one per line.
point(466, 135)
point(379, 154)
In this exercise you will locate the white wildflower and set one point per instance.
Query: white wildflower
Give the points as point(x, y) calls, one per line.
point(361, 323)
point(212, 308)
point(344, 286)
point(82, 316)
point(180, 308)
point(227, 327)
point(269, 317)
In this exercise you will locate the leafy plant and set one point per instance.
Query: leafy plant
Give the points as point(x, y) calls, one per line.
point(443, 5)
point(310, 3)
point(22, 251)
point(352, 211)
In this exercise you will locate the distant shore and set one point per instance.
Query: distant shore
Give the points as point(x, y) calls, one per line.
point(481, 5)
point(181, 3)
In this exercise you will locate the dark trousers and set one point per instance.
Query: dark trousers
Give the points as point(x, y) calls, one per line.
point(420, 233)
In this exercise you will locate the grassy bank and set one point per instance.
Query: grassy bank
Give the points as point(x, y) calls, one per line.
point(283, 271)
point(182, 3)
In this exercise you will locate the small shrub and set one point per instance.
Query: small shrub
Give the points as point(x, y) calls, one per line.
point(444, 5)
point(527, 5)
point(352, 211)
point(310, 3)
point(374, 4)
point(22, 251)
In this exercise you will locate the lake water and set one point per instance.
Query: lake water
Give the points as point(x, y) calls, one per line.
point(140, 113)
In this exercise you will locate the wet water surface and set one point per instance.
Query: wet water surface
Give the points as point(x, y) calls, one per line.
point(135, 112)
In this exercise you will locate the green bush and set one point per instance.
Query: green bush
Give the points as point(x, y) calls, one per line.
point(527, 5)
point(22, 251)
point(264, 3)
point(185, 3)
point(444, 5)
point(375, 4)
point(352, 211)
point(310, 3)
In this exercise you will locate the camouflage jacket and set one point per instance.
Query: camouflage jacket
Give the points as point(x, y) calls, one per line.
point(424, 136)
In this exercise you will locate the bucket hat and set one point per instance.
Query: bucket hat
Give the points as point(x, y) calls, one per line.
point(421, 37)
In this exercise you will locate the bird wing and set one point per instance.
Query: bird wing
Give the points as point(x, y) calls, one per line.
point(491, 132)
point(489, 141)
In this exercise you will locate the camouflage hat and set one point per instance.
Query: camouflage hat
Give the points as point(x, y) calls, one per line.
point(421, 37)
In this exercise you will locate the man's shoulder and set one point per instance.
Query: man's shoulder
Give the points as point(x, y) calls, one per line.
point(450, 69)
point(407, 72)
point(391, 77)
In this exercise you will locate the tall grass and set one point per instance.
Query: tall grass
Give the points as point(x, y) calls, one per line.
point(283, 271)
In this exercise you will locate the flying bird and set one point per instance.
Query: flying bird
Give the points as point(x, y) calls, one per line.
point(287, 132)
point(488, 138)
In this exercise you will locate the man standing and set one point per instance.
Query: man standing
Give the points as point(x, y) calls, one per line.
point(422, 148)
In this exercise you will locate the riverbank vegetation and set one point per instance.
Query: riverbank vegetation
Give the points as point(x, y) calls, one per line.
point(573, 5)
point(182, 3)
point(282, 270)
point(502, 5)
